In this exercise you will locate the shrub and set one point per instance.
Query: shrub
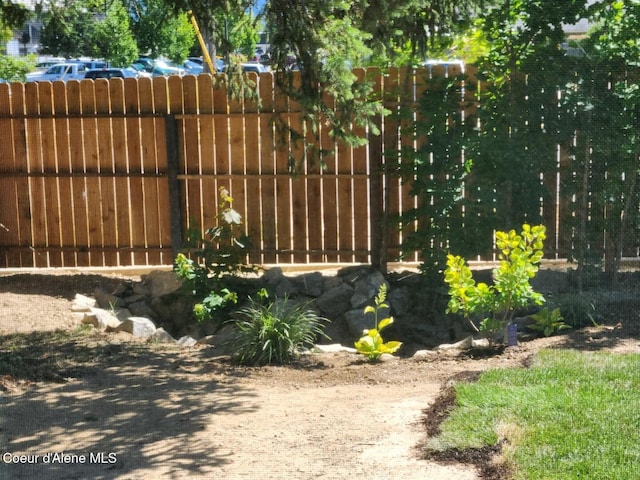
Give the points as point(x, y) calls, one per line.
point(548, 321)
point(210, 256)
point(519, 257)
point(274, 332)
point(371, 344)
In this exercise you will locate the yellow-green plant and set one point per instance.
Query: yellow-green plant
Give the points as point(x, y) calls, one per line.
point(548, 321)
point(496, 304)
point(371, 344)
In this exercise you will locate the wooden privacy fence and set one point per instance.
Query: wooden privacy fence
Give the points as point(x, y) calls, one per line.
point(111, 173)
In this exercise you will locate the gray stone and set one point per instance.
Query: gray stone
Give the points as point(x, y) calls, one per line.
point(352, 273)
point(101, 319)
point(310, 284)
point(122, 314)
point(187, 341)
point(366, 288)
point(161, 309)
point(162, 283)
point(162, 336)
point(82, 303)
point(400, 300)
point(550, 282)
point(141, 309)
point(277, 283)
point(331, 282)
point(139, 327)
point(141, 289)
point(273, 276)
point(124, 289)
point(357, 321)
point(336, 301)
point(136, 298)
point(107, 300)
point(181, 310)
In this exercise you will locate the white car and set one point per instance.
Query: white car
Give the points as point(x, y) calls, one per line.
point(60, 71)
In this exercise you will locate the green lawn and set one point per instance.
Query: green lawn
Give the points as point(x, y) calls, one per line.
point(570, 415)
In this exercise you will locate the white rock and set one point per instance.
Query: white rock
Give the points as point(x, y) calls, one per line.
point(207, 340)
point(101, 319)
point(187, 341)
point(82, 303)
point(162, 336)
point(140, 327)
point(334, 347)
point(461, 345)
point(424, 354)
point(481, 343)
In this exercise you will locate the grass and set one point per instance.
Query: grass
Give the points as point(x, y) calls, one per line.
point(570, 415)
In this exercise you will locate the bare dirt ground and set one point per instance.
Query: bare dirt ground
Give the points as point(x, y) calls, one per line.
point(101, 406)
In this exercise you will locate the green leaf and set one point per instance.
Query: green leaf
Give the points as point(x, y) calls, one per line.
point(384, 323)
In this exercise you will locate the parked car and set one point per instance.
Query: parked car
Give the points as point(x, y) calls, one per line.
point(254, 67)
point(89, 64)
point(193, 68)
point(60, 71)
point(111, 73)
point(158, 67)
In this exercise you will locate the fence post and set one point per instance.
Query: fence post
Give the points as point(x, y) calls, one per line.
point(175, 192)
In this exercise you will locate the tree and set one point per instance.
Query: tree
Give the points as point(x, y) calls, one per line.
point(68, 31)
point(521, 124)
point(160, 32)
point(604, 103)
point(112, 39)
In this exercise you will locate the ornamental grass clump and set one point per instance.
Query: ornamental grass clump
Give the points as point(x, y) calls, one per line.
point(275, 332)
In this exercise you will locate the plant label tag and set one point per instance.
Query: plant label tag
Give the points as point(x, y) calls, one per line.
point(512, 335)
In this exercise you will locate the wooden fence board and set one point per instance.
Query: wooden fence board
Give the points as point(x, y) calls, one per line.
point(267, 170)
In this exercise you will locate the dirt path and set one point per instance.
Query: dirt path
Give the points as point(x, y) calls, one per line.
point(158, 416)
point(124, 410)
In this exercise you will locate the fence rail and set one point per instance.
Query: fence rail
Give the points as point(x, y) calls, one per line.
point(110, 173)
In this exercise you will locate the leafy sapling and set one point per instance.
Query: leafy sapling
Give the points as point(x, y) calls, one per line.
point(371, 344)
point(496, 304)
point(211, 256)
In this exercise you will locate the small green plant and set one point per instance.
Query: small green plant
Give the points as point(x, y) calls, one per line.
point(274, 332)
point(548, 321)
point(208, 258)
point(371, 344)
point(496, 304)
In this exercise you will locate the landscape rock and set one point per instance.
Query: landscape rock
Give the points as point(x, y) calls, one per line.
point(162, 336)
point(357, 321)
point(336, 301)
point(461, 345)
point(310, 284)
point(161, 283)
point(107, 300)
point(82, 303)
point(139, 327)
point(101, 319)
point(423, 354)
point(333, 348)
point(187, 341)
point(141, 309)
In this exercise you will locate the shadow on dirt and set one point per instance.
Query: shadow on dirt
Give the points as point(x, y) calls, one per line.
point(138, 407)
point(57, 285)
